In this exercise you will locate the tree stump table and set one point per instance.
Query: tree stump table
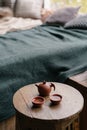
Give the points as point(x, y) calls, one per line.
point(64, 116)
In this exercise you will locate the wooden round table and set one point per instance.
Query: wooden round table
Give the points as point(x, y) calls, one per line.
point(47, 117)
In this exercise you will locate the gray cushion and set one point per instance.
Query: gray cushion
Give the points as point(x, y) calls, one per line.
point(77, 23)
point(62, 16)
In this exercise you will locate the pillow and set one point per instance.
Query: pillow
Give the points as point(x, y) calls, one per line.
point(45, 13)
point(77, 23)
point(63, 15)
point(9, 3)
point(5, 12)
point(28, 8)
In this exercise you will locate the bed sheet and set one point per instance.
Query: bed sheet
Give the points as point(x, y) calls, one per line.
point(11, 24)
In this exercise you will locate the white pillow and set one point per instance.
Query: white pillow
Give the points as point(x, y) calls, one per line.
point(9, 3)
point(28, 8)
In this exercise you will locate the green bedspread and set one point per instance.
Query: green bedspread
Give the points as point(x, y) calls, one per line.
point(48, 53)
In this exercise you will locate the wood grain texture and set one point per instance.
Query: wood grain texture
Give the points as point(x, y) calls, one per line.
point(8, 124)
point(72, 103)
point(47, 116)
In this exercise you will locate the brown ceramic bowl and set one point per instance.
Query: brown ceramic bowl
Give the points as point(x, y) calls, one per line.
point(38, 101)
point(55, 99)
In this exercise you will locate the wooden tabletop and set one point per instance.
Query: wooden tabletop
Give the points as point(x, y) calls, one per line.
point(71, 104)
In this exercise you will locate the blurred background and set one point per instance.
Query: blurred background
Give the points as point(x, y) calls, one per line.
point(61, 3)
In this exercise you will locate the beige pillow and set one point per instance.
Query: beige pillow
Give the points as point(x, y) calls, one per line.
point(45, 13)
point(28, 8)
point(5, 12)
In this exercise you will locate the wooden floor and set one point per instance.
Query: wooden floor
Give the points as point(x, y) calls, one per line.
point(8, 124)
point(80, 83)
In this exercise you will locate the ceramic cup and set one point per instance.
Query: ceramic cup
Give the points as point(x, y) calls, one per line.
point(55, 99)
point(38, 101)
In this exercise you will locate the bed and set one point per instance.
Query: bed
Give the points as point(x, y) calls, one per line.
point(49, 52)
point(45, 52)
